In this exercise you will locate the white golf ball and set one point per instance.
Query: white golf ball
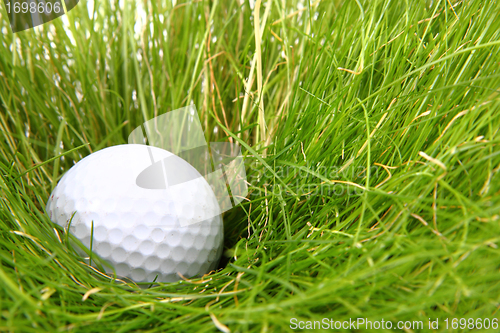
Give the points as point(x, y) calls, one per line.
point(143, 233)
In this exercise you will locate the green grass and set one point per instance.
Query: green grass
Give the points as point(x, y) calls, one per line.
point(373, 158)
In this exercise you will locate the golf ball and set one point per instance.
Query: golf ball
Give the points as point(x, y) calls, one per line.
point(143, 233)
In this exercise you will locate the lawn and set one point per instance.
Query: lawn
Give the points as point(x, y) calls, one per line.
point(371, 136)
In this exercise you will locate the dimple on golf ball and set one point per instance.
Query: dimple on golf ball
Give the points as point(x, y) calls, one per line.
point(144, 233)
